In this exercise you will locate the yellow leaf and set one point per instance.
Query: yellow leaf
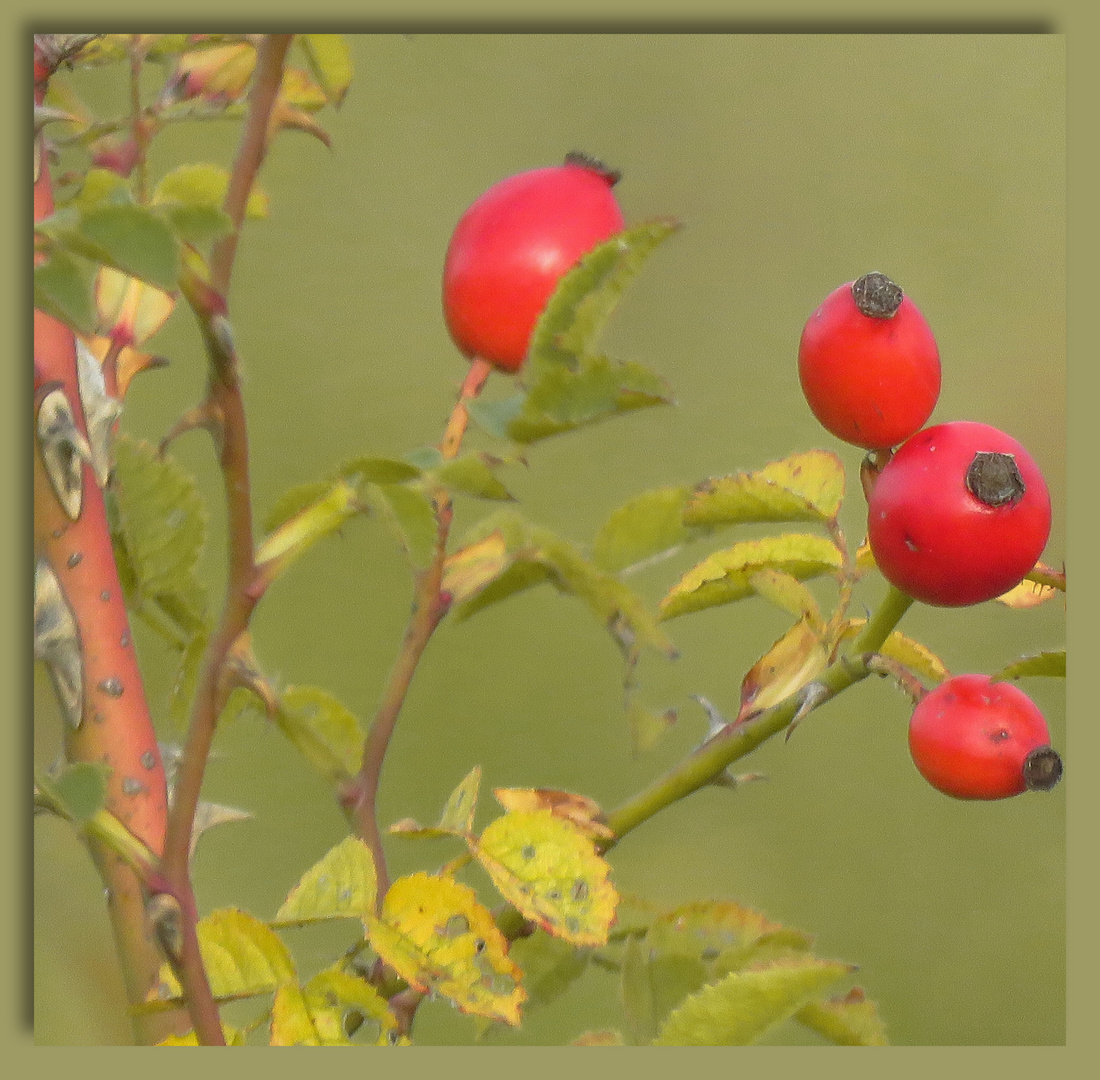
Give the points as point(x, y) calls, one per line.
point(915, 656)
point(243, 957)
point(130, 311)
point(233, 1037)
point(1029, 594)
point(470, 569)
point(304, 529)
point(332, 994)
point(290, 1021)
point(796, 659)
point(725, 576)
point(221, 72)
point(438, 938)
point(802, 487)
point(579, 809)
point(342, 885)
point(549, 869)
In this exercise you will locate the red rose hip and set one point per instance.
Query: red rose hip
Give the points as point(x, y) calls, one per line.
point(511, 248)
point(959, 515)
point(973, 738)
point(869, 365)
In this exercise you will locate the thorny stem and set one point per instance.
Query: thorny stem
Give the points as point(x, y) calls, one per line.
point(429, 607)
point(115, 729)
point(706, 763)
point(225, 402)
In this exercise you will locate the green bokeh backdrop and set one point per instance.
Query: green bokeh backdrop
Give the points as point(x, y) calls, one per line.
point(796, 163)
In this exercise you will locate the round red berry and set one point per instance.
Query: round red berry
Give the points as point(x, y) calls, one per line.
point(869, 365)
point(973, 738)
point(959, 515)
point(513, 245)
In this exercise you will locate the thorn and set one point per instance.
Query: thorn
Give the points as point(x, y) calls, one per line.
point(63, 449)
point(716, 721)
point(809, 697)
point(57, 642)
point(205, 416)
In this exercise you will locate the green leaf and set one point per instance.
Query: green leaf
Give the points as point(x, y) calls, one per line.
point(617, 608)
point(458, 813)
point(524, 555)
point(63, 288)
point(647, 526)
point(199, 226)
point(647, 726)
point(330, 62)
point(690, 946)
point(563, 399)
point(576, 314)
point(457, 818)
point(411, 515)
point(740, 1008)
point(516, 578)
point(298, 534)
point(850, 1020)
point(293, 501)
point(473, 475)
point(726, 576)
point(78, 791)
point(495, 417)
point(204, 185)
point(162, 518)
point(186, 678)
point(102, 187)
point(1044, 663)
point(373, 470)
point(327, 734)
point(135, 240)
point(341, 885)
point(787, 593)
point(550, 966)
point(802, 487)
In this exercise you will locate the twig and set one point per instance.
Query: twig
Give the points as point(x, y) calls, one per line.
point(429, 607)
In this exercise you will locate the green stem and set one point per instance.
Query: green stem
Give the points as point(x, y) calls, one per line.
point(706, 763)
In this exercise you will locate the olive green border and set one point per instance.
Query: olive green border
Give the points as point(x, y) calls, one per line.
point(1077, 21)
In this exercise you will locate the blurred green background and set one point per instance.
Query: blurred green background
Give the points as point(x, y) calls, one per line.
point(797, 163)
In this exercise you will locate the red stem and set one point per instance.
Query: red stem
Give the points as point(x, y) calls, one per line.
point(115, 727)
